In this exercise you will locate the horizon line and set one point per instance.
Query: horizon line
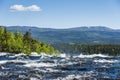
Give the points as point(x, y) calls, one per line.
point(58, 27)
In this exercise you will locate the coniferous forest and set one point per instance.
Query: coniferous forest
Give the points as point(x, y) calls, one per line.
point(19, 43)
point(24, 43)
point(106, 49)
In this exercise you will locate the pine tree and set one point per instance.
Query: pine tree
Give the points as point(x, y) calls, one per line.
point(18, 43)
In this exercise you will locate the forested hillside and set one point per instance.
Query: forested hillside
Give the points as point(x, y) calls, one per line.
point(19, 43)
point(79, 35)
point(106, 49)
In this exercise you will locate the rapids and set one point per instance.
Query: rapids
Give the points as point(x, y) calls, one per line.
point(61, 67)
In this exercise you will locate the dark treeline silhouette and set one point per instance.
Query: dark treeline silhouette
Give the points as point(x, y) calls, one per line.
point(107, 49)
point(18, 43)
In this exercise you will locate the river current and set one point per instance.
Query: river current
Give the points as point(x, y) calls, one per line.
point(61, 67)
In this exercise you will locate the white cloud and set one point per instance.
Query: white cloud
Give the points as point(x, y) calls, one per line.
point(34, 8)
point(23, 8)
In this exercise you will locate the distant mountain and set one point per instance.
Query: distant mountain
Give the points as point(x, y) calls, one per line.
point(84, 35)
point(92, 28)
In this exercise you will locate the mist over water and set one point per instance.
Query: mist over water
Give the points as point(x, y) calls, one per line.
point(61, 67)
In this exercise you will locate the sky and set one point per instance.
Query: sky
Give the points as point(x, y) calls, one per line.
point(60, 13)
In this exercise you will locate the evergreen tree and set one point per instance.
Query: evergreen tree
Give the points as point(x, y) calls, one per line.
point(18, 43)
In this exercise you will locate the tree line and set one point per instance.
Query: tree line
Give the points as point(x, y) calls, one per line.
point(107, 49)
point(19, 43)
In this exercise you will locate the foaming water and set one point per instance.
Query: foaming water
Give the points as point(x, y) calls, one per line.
point(91, 56)
point(61, 67)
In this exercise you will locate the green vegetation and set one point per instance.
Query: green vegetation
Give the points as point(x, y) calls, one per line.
point(107, 49)
point(18, 43)
point(80, 35)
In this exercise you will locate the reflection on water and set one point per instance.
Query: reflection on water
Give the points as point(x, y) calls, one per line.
point(62, 67)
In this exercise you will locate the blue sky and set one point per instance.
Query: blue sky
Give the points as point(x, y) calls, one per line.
point(60, 13)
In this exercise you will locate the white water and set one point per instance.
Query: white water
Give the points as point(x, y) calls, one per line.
point(64, 67)
point(92, 56)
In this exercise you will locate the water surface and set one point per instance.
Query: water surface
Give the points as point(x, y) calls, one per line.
point(62, 67)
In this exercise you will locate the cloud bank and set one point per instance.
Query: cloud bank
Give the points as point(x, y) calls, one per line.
point(23, 8)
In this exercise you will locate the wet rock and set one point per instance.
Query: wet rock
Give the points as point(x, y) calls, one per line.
point(1, 67)
point(48, 61)
point(75, 79)
point(13, 76)
point(23, 57)
point(36, 72)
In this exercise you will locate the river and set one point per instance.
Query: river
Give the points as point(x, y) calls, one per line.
point(61, 67)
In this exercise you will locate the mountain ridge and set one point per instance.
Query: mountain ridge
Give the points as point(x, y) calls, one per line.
point(104, 27)
point(87, 35)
